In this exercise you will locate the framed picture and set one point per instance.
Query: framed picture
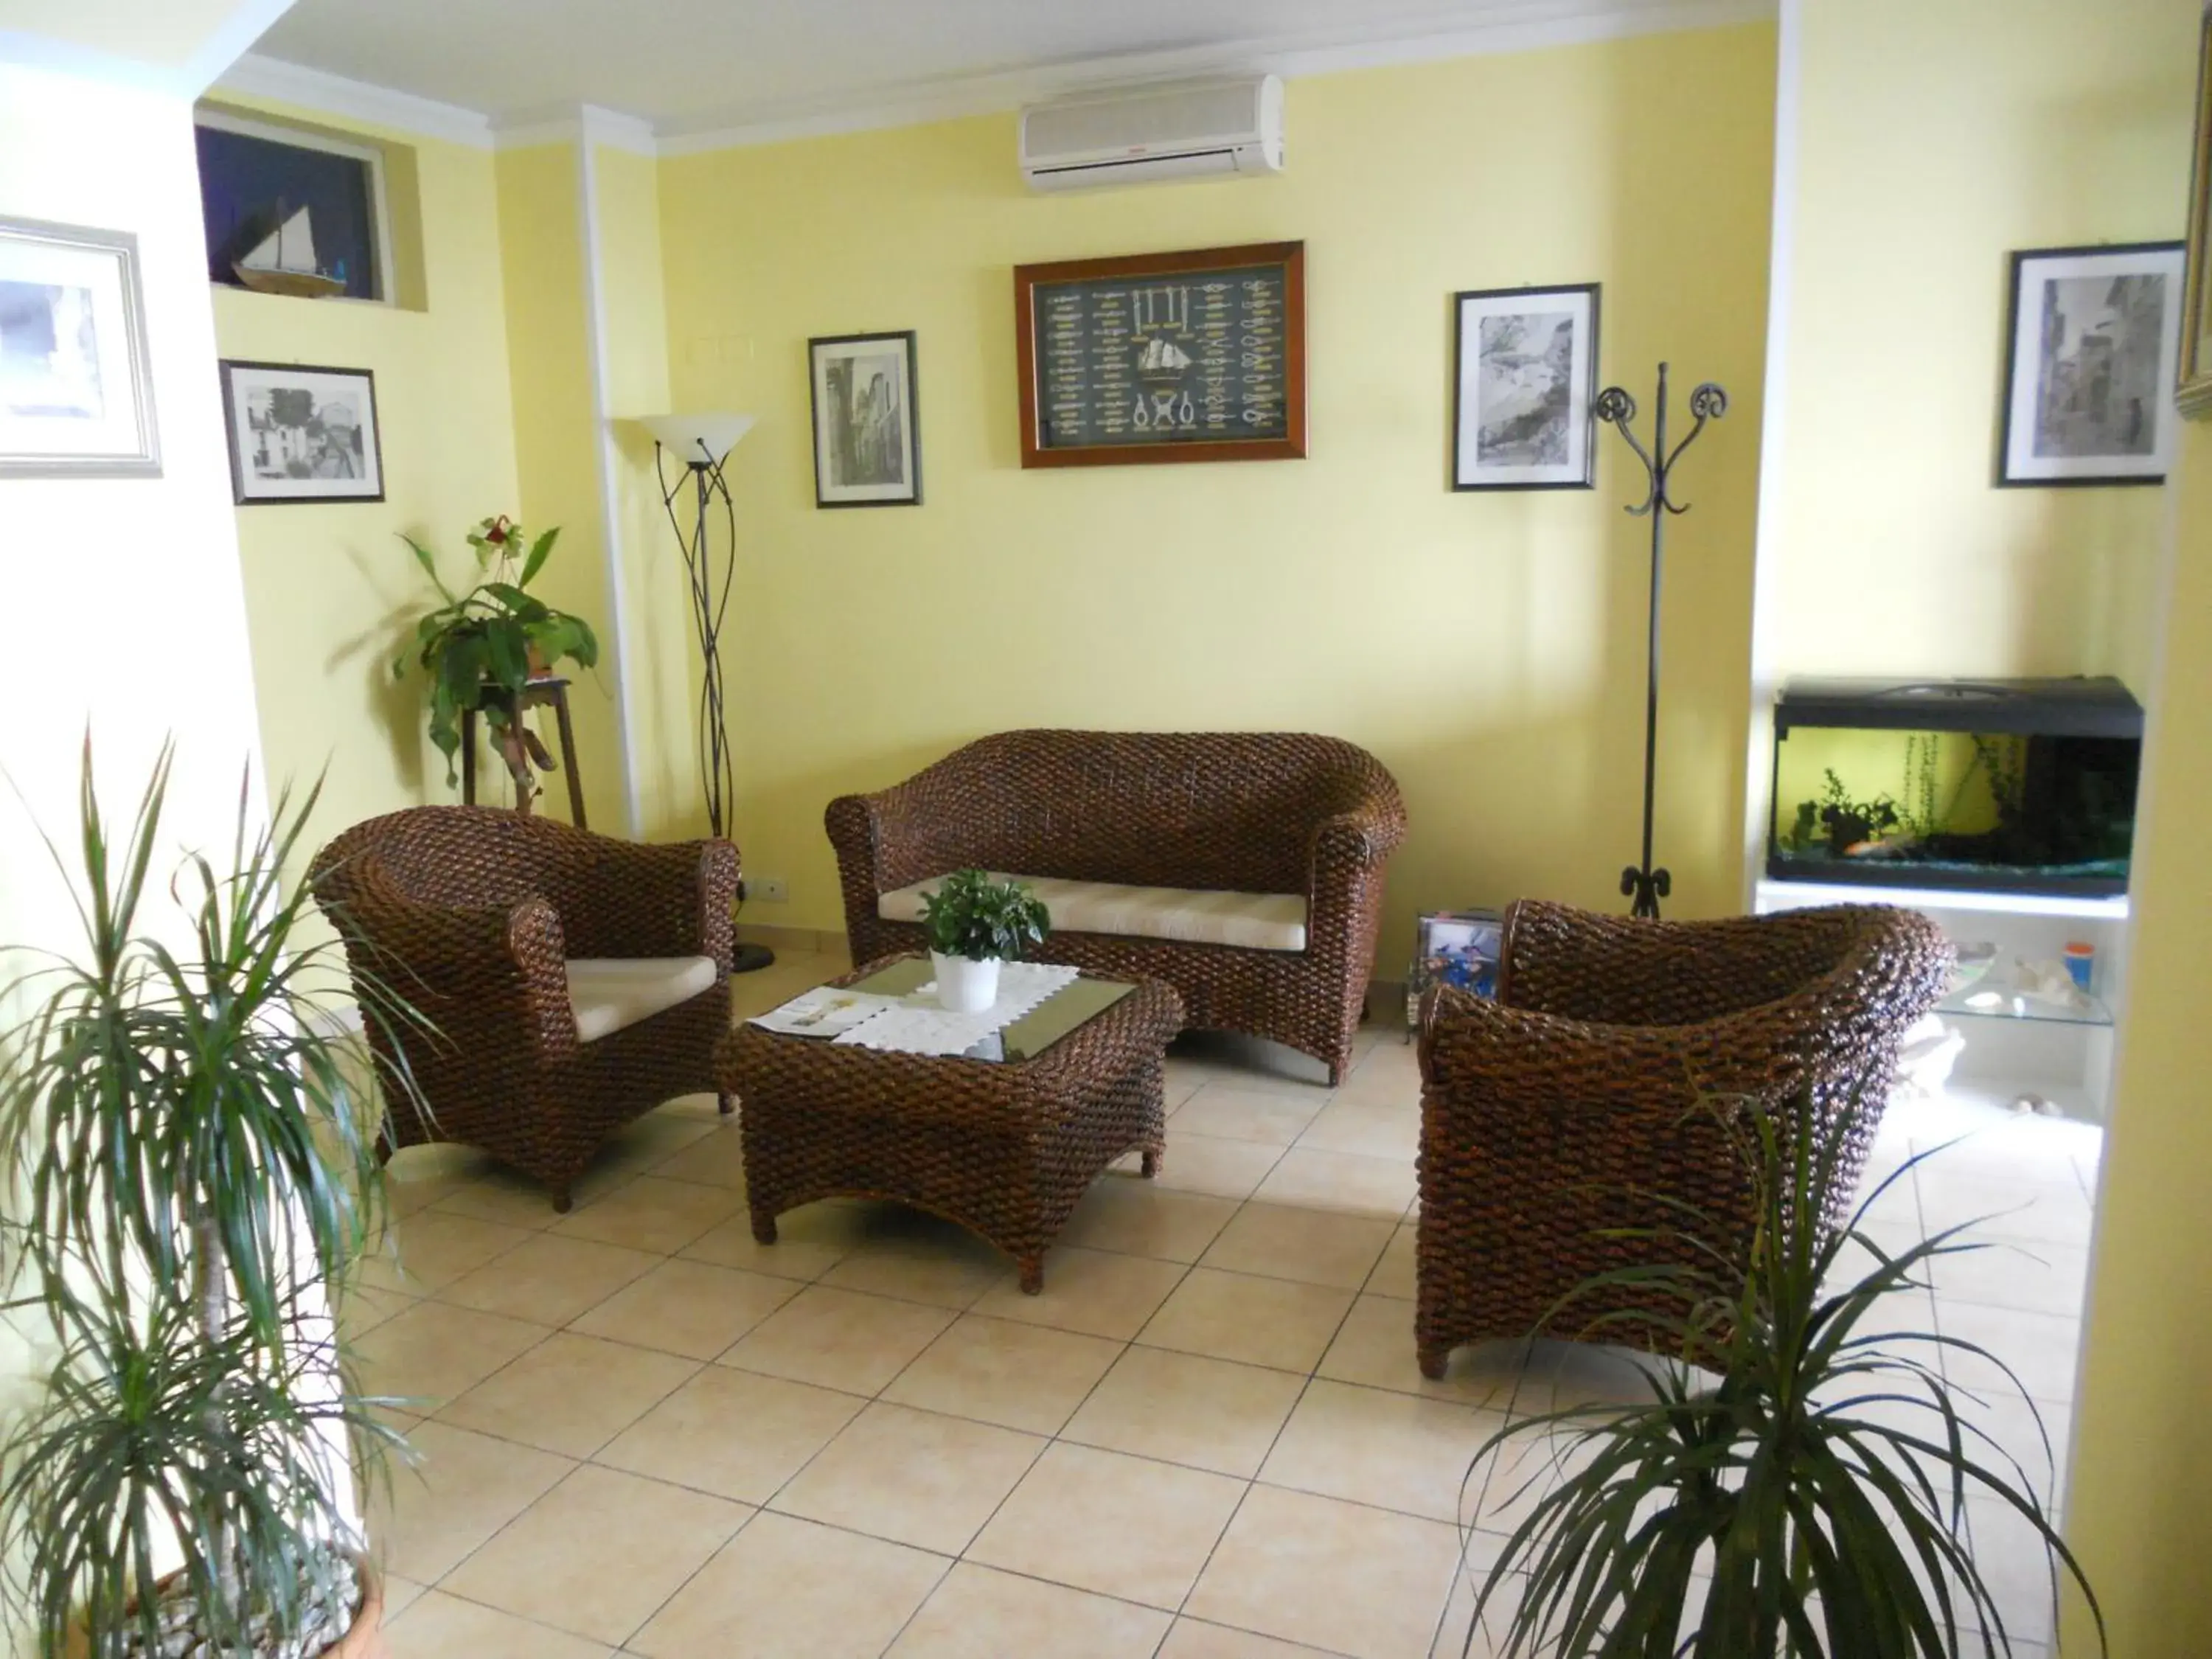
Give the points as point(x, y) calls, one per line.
point(1524, 378)
point(2095, 340)
point(76, 396)
point(1199, 356)
point(2194, 390)
point(299, 433)
point(867, 440)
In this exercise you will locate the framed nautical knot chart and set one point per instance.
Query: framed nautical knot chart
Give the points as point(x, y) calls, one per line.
point(1192, 357)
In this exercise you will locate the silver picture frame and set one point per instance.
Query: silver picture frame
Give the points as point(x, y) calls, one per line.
point(77, 380)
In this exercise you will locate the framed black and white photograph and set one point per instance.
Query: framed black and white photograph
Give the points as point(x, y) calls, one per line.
point(77, 395)
point(867, 449)
point(302, 433)
point(2095, 341)
point(1524, 375)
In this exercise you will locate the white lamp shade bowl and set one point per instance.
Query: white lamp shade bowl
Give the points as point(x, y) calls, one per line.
point(698, 440)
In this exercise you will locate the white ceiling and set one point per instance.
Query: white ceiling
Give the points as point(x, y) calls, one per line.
point(690, 66)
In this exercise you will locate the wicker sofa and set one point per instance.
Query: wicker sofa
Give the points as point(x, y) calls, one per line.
point(574, 981)
point(1564, 1108)
point(1245, 869)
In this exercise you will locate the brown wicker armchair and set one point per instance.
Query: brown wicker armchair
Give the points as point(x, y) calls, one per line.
point(1563, 1107)
point(477, 917)
point(1267, 813)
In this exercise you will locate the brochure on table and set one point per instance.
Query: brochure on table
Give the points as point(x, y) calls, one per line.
point(914, 1025)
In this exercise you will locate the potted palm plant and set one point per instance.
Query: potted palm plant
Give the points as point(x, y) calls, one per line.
point(974, 923)
point(478, 650)
point(192, 1179)
point(1809, 1474)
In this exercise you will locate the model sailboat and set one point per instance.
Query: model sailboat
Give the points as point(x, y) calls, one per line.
point(283, 262)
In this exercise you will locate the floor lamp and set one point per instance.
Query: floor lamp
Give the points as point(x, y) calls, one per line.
point(698, 444)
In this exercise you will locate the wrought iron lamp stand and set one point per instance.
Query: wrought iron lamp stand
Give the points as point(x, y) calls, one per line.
point(1641, 883)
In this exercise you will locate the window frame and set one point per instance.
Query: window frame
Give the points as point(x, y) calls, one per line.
point(274, 131)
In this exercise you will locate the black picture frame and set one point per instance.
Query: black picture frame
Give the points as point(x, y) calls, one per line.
point(2153, 368)
point(252, 481)
point(836, 431)
point(1577, 425)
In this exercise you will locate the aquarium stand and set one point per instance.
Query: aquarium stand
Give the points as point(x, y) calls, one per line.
point(1643, 883)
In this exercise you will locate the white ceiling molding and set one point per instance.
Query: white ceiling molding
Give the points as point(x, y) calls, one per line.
point(255, 76)
point(609, 128)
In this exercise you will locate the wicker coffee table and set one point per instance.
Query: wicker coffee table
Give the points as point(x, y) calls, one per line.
point(1004, 1147)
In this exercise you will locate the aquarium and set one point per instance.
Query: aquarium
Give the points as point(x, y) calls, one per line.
point(2006, 785)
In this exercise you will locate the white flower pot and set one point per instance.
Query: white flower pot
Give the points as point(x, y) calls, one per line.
point(965, 986)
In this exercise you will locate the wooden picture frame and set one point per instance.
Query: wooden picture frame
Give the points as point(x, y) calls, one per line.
point(73, 355)
point(867, 419)
point(1145, 359)
point(288, 425)
point(2193, 382)
point(2092, 342)
point(1521, 420)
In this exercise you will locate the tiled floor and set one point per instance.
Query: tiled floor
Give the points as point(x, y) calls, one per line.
point(1205, 1440)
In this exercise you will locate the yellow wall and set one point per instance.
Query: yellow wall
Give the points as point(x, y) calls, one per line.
point(1936, 140)
point(331, 589)
point(1488, 647)
point(2142, 1439)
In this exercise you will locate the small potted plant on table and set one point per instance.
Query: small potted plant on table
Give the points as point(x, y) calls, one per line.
point(480, 650)
point(973, 924)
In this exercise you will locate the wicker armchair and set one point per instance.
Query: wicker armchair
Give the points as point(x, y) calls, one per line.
point(1563, 1107)
point(1248, 812)
point(472, 915)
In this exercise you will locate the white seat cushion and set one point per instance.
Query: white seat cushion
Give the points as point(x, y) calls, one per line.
point(609, 992)
point(1257, 922)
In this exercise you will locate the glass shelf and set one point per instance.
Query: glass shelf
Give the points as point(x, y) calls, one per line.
point(1977, 1002)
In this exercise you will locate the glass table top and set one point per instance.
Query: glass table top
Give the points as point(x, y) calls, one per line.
point(1064, 1010)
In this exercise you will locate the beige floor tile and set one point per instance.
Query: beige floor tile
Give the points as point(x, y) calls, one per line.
point(1093, 1292)
point(1186, 1408)
point(688, 1308)
point(2040, 1349)
point(785, 1588)
point(549, 1279)
point(1229, 1112)
point(1136, 1217)
point(809, 1241)
point(1259, 1321)
point(434, 1248)
point(1340, 1181)
point(442, 1626)
point(1315, 1246)
point(2052, 1278)
point(363, 1308)
point(570, 1395)
point(1367, 1128)
point(2025, 1211)
point(1193, 1639)
point(419, 1177)
point(1392, 1451)
point(652, 1214)
point(839, 1339)
point(1101, 1521)
point(995, 1371)
point(463, 1489)
point(598, 1555)
point(1375, 1348)
point(432, 1352)
point(978, 1614)
point(2017, 1565)
point(651, 1140)
point(1211, 1166)
point(399, 1595)
point(1388, 1074)
point(516, 1199)
point(1396, 1273)
point(1363, 1582)
point(714, 1159)
point(913, 1477)
point(950, 1269)
point(733, 1432)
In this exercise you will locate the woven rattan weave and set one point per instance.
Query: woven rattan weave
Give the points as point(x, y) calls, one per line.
point(1004, 1149)
point(471, 913)
point(1255, 812)
point(1567, 1106)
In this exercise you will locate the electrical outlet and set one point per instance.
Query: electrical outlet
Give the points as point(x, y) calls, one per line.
point(769, 890)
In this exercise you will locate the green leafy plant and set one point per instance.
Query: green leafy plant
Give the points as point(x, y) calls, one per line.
point(971, 915)
point(192, 1178)
point(1816, 1475)
point(1846, 820)
point(479, 649)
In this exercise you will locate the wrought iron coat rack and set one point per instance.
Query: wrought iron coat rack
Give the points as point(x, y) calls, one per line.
point(1641, 883)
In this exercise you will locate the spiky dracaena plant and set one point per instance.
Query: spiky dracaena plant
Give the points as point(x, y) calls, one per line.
point(189, 1179)
point(1814, 1471)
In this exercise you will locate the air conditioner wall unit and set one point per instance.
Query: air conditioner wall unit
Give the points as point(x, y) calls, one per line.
point(1150, 134)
